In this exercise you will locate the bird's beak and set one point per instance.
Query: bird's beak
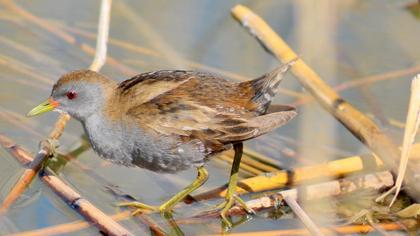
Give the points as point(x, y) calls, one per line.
point(46, 106)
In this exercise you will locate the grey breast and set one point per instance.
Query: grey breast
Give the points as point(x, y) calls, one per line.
point(166, 154)
point(131, 146)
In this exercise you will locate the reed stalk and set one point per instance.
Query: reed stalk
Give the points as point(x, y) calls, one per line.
point(283, 178)
point(411, 128)
point(74, 199)
point(361, 126)
point(377, 181)
point(347, 229)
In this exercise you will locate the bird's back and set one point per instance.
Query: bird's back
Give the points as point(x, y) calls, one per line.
point(199, 111)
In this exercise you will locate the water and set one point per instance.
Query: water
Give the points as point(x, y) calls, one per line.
point(359, 38)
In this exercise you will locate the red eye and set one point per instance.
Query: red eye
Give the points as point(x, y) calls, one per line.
point(71, 94)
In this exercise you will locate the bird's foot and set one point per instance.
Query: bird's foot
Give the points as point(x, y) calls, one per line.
point(140, 207)
point(51, 144)
point(227, 204)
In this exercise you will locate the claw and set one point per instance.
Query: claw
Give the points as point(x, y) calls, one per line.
point(226, 205)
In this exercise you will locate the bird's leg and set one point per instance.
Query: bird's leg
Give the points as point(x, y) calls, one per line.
point(169, 205)
point(231, 198)
point(202, 177)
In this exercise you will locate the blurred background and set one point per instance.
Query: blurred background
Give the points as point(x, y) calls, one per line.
point(368, 50)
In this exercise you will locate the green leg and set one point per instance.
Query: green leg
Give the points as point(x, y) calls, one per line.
point(231, 197)
point(174, 229)
point(202, 176)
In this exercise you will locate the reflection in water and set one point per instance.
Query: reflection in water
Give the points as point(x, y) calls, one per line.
point(174, 229)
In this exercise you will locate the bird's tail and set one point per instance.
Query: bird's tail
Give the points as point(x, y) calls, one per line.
point(265, 87)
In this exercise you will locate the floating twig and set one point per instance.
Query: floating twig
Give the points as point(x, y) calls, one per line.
point(67, 227)
point(35, 165)
point(74, 199)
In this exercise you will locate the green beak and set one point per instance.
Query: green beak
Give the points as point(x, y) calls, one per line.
point(46, 106)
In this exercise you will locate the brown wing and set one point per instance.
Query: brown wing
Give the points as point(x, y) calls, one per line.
point(198, 106)
point(144, 87)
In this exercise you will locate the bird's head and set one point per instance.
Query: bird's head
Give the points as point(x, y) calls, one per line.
point(79, 93)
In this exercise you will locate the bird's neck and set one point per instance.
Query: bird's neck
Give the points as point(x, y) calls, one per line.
point(100, 131)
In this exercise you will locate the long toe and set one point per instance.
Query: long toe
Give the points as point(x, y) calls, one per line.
point(138, 206)
point(223, 209)
point(230, 202)
point(242, 203)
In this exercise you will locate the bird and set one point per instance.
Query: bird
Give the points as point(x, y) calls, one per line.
point(168, 121)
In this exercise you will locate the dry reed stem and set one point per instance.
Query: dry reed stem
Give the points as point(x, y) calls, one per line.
point(375, 181)
point(355, 121)
point(67, 227)
point(83, 206)
point(35, 165)
point(80, 225)
point(301, 214)
point(348, 229)
point(102, 38)
point(354, 161)
point(411, 128)
point(19, 153)
point(279, 179)
point(99, 219)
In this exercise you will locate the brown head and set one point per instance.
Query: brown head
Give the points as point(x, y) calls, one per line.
point(79, 93)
